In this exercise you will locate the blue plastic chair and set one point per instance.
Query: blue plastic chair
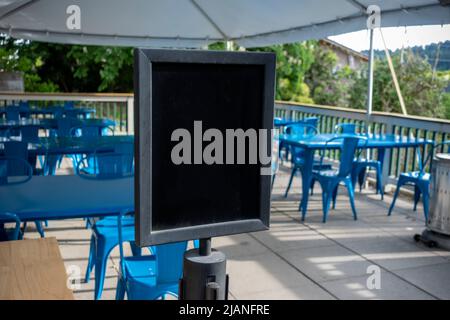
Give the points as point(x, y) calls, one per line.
point(419, 179)
point(301, 130)
point(7, 235)
point(360, 165)
point(19, 150)
point(153, 276)
point(330, 179)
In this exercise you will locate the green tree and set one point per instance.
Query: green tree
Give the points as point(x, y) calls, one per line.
point(422, 92)
point(293, 61)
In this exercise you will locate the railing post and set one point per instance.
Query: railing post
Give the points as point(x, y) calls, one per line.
point(130, 115)
point(387, 156)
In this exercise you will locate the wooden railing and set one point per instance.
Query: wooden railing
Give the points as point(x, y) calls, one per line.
point(115, 106)
point(397, 160)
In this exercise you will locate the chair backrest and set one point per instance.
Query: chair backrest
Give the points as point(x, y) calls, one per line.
point(30, 133)
point(345, 128)
point(12, 113)
point(348, 151)
point(65, 126)
point(300, 129)
point(71, 113)
point(91, 130)
point(312, 121)
point(18, 149)
point(108, 162)
point(169, 260)
point(69, 105)
point(4, 133)
point(9, 217)
point(14, 170)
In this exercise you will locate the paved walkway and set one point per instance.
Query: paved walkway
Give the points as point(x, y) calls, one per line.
point(310, 260)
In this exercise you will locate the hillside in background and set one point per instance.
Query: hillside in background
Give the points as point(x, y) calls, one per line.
point(429, 52)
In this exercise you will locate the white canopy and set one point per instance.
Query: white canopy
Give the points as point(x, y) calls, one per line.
point(195, 23)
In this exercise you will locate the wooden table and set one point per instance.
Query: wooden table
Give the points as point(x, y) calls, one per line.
point(32, 270)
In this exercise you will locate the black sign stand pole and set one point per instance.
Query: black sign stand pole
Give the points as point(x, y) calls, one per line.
point(204, 274)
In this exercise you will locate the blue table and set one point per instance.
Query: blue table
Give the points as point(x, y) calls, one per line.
point(67, 197)
point(53, 123)
point(312, 143)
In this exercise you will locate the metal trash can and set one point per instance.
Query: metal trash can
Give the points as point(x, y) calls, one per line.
point(437, 232)
point(439, 217)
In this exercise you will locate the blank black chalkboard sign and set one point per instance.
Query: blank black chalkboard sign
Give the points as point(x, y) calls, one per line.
point(195, 91)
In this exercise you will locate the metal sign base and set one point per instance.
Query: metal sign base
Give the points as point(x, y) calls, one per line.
point(204, 274)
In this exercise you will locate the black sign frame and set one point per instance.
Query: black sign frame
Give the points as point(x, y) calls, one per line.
point(143, 59)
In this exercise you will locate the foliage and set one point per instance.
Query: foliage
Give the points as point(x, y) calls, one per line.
point(306, 73)
point(429, 52)
point(293, 61)
point(54, 67)
point(421, 91)
point(12, 58)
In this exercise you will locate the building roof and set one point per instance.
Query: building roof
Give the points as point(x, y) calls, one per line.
point(348, 50)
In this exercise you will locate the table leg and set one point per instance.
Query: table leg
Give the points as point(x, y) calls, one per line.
point(306, 180)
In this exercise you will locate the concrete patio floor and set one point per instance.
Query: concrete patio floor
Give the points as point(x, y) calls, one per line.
point(310, 260)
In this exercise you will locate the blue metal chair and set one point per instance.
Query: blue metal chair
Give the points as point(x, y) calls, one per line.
point(13, 170)
point(108, 162)
point(330, 179)
point(360, 165)
point(301, 130)
point(419, 179)
point(19, 150)
point(153, 276)
point(7, 235)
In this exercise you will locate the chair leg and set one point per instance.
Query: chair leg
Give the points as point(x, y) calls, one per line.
point(335, 193)
point(91, 260)
point(361, 178)
point(120, 289)
point(100, 270)
point(397, 191)
point(313, 182)
point(426, 204)
point(351, 195)
point(416, 197)
point(294, 170)
point(39, 228)
point(379, 185)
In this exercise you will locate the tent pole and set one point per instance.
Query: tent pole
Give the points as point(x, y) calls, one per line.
point(370, 81)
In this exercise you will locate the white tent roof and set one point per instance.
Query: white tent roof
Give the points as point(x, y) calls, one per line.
point(195, 23)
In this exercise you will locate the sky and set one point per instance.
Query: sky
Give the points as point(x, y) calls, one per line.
point(395, 37)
